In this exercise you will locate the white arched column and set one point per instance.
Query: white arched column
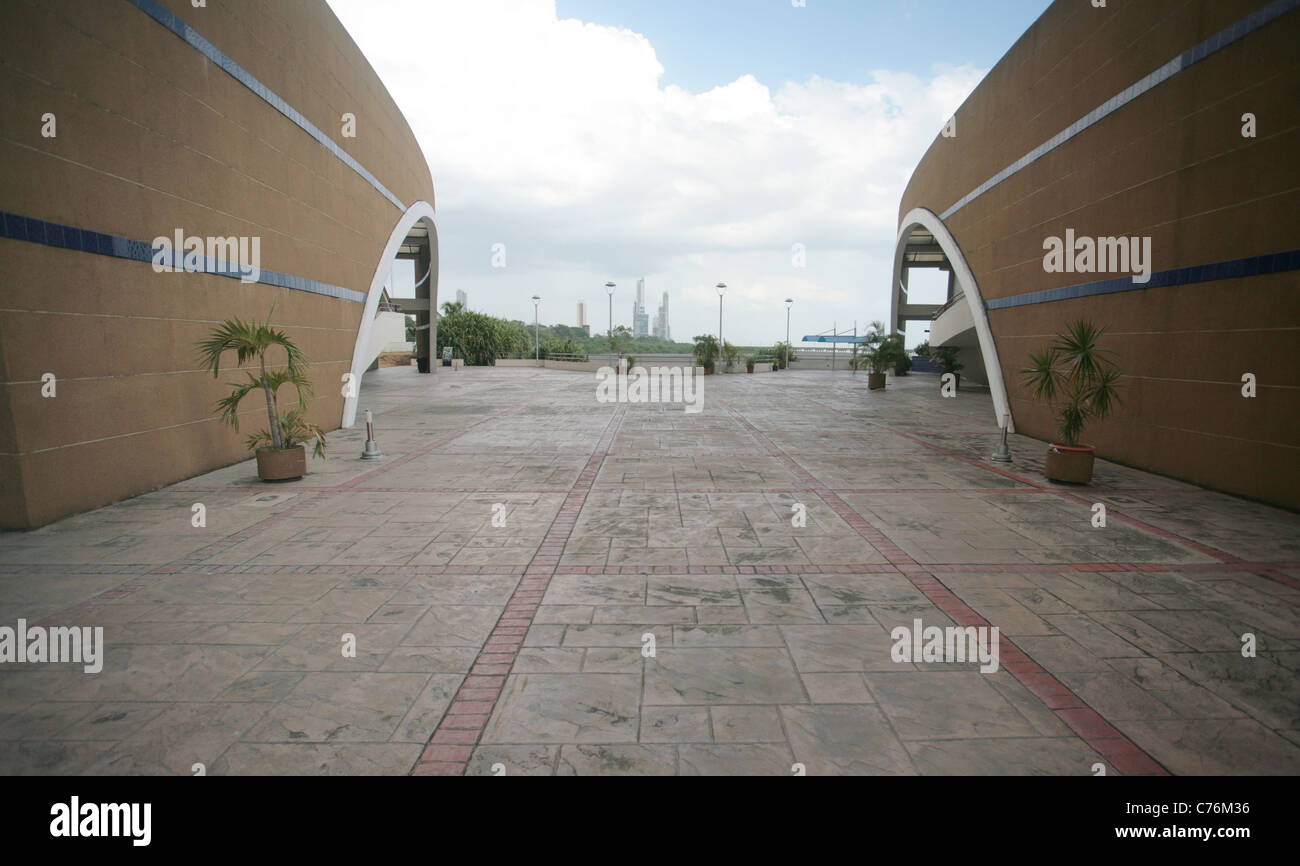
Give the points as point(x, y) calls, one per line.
point(421, 211)
point(929, 220)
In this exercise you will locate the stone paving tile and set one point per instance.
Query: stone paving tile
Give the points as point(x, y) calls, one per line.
point(773, 646)
point(1066, 756)
point(186, 734)
point(567, 708)
point(42, 721)
point(51, 757)
point(453, 625)
point(1228, 747)
point(937, 705)
point(846, 740)
point(340, 707)
point(320, 648)
point(722, 675)
point(837, 689)
point(316, 759)
point(750, 759)
point(638, 760)
point(840, 648)
point(514, 761)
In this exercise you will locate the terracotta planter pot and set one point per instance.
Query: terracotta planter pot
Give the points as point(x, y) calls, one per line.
point(749, 368)
point(875, 381)
point(1070, 463)
point(282, 464)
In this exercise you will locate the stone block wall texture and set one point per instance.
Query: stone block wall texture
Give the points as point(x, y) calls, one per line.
point(1172, 165)
point(154, 136)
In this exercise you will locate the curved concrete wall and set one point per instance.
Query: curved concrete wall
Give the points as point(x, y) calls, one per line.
point(220, 121)
point(1127, 121)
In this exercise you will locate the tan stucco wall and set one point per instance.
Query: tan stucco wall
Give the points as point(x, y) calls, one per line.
point(153, 136)
point(1171, 165)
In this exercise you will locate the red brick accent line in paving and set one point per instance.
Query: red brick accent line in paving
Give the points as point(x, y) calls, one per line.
point(1122, 754)
point(449, 748)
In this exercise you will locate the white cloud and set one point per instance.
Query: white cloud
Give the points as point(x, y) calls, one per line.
point(556, 138)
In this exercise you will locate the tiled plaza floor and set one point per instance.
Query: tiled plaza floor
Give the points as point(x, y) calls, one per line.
point(518, 649)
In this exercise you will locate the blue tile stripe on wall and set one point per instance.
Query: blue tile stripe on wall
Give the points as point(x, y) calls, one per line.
point(1252, 266)
point(23, 228)
point(1222, 39)
point(191, 36)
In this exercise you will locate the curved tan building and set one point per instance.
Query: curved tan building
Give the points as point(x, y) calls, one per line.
point(255, 123)
point(1164, 129)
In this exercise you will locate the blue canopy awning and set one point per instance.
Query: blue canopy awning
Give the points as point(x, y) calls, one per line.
point(826, 338)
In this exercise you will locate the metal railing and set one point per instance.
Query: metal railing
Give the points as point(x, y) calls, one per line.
point(960, 296)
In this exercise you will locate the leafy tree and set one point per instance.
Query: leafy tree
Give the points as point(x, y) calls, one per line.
point(410, 329)
point(555, 346)
point(706, 351)
point(479, 338)
point(619, 340)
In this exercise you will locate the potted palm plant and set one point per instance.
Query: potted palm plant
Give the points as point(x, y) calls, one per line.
point(750, 361)
point(280, 451)
point(878, 354)
point(706, 352)
point(1079, 383)
point(946, 357)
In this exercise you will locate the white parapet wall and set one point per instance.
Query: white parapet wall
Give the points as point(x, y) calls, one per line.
point(576, 366)
point(389, 328)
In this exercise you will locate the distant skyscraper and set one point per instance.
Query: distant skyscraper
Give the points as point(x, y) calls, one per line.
point(582, 317)
point(661, 330)
point(640, 318)
point(462, 298)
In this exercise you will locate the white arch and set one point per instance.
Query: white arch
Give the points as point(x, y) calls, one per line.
point(421, 210)
point(931, 222)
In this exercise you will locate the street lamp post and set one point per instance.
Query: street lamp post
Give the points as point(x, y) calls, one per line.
point(721, 287)
point(788, 303)
point(609, 289)
point(537, 345)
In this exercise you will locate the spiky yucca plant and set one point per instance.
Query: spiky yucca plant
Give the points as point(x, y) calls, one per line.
point(1074, 377)
point(252, 341)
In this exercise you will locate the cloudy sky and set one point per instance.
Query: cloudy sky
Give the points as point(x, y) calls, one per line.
point(683, 141)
